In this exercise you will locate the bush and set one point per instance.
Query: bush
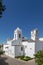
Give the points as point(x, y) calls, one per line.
point(39, 57)
point(20, 57)
point(1, 52)
point(25, 58)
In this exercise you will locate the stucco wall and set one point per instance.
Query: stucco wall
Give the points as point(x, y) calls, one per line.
point(12, 51)
point(29, 48)
point(38, 46)
point(5, 48)
point(18, 51)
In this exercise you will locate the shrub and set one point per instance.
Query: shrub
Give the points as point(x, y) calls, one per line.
point(39, 57)
point(21, 57)
point(1, 52)
point(25, 58)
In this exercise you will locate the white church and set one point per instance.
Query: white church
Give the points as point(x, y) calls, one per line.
point(19, 45)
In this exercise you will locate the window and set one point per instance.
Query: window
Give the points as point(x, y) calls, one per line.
point(30, 48)
point(6, 47)
point(21, 48)
point(19, 35)
point(15, 35)
point(36, 31)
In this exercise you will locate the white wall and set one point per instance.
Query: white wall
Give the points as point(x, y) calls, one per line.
point(18, 51)
point(29, 48)
point(16, 42)
point(38, 46)
point(9, 42)
point(5, 48)
point(34, 34)
point(12, 51)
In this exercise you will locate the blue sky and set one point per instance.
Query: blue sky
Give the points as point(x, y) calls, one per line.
point(26, 14)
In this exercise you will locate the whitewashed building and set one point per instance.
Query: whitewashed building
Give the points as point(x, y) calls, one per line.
point(19, 45)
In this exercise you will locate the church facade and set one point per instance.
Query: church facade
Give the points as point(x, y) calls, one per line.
point(19, 45)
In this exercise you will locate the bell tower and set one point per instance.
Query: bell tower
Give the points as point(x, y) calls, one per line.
point(18, 34)
point(34, 34)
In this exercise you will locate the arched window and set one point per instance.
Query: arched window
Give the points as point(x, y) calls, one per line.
point(19, 35)
point(21, 48)
point(15, 35)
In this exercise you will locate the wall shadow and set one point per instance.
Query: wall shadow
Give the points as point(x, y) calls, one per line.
point(3, 61)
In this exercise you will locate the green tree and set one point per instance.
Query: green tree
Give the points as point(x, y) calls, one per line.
point(0, 46)
point(1, 52)
point(39, 57)
point(2, 8)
